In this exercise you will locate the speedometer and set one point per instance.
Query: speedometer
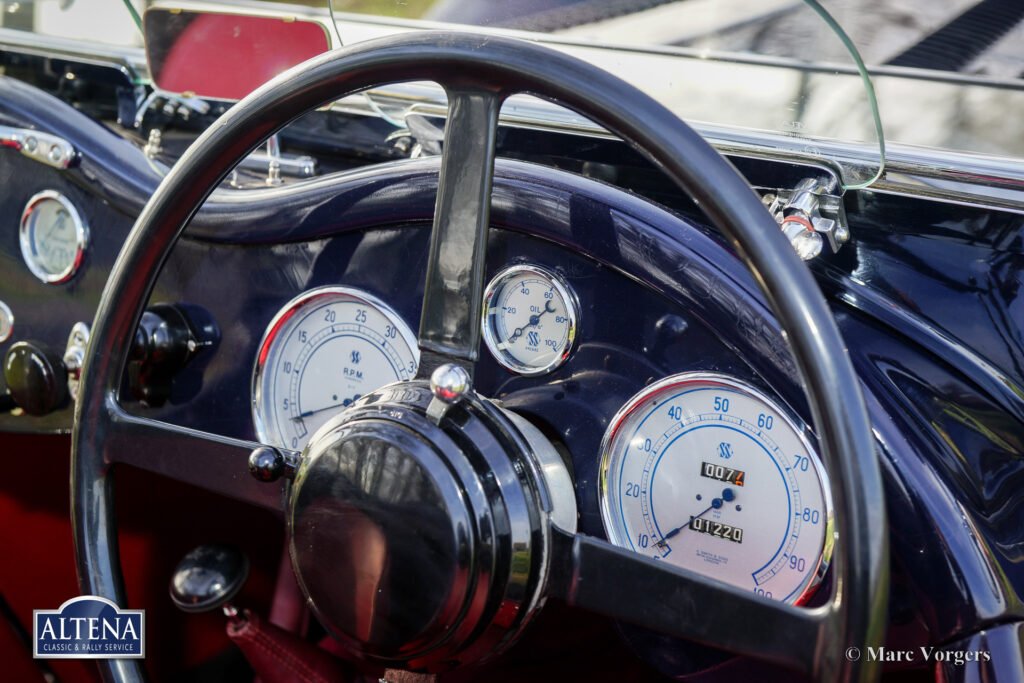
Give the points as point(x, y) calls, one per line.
point(321, 352)
point(705, 472)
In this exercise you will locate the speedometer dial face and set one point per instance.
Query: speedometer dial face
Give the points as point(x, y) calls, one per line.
point(704, 472)
point(321, 352)
point(530, 318)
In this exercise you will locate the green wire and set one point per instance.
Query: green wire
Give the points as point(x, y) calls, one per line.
point(135, 15)
point(868, 86)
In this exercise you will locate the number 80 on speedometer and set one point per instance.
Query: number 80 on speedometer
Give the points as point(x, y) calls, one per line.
point(704, 472)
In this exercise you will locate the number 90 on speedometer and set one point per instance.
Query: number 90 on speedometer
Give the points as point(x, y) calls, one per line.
point(704, 472)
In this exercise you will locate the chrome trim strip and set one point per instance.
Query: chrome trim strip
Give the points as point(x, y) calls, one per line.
point(947, 176)
point(42, 147)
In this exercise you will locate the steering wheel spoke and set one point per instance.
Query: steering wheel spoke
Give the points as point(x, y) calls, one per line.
point(213, 462)
point(596, 575)
point(450, 321)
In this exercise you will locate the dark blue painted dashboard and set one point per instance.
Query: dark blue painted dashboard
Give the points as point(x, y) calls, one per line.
point(926, 294)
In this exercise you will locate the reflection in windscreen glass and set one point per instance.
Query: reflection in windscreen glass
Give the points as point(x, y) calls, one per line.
point(949, 73)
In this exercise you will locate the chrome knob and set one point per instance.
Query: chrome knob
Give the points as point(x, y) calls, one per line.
point(209, 577)
point(449, 382)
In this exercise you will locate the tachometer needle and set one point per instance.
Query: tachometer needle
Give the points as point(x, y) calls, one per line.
point(727, 496)
point(342, 404)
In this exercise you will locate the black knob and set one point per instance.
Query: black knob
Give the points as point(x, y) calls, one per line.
point(36, 377)
point(208, 577)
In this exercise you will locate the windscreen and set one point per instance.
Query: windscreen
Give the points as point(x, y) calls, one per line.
point(752, 72)
point(948, 73)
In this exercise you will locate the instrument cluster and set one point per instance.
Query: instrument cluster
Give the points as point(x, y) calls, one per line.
point(701, 470)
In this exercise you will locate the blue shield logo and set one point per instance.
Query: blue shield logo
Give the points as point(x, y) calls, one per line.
point(89, 627)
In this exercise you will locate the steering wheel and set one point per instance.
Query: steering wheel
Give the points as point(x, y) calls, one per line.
point(487, 533)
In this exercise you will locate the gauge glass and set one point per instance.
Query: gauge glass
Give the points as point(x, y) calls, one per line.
point(321, 352)
point(530, 316)
point(704, 472)
point(53, 237)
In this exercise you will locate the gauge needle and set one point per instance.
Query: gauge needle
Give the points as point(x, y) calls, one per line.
point(342, 404)
point(534, 319)
point(727, 496)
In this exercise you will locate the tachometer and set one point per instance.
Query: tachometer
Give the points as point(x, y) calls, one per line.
point(321, 352)
point(705, 472)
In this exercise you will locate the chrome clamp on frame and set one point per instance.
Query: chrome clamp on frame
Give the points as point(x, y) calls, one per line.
point(43, 147)
point(808, 213)
point(74, 356)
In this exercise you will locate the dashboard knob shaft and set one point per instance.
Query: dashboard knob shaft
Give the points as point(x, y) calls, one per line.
point(36, 377)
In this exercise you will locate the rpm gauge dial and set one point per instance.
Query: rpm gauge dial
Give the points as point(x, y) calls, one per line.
point(706, 473)
point(321, 352)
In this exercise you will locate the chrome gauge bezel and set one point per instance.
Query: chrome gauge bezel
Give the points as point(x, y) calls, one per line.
point(28, 251)
point(279, 322)
point(491, 337)
point(610, 519)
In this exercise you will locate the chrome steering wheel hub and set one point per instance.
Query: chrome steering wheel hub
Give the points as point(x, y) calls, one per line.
point(423, 544)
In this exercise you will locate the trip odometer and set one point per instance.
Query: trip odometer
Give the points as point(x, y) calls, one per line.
point(703, 471)
point(321, 352)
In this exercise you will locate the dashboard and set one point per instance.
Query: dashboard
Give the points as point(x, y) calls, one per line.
point(615, 321)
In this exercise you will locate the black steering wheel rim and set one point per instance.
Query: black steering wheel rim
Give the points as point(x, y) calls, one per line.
point(489, 69)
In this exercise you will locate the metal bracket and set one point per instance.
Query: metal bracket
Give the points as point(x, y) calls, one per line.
point(74, 355)
point(809, 214)
point(43, 147)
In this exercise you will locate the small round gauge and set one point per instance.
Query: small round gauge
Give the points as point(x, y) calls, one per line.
point(530, 316)
point(321, 352)
point(706, 473)
point(53, 237)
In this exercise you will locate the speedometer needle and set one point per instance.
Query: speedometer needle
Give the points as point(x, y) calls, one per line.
point(342, 404)
point(727, 495)
point(534, 319)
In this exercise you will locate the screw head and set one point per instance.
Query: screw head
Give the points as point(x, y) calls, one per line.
point(449, 382)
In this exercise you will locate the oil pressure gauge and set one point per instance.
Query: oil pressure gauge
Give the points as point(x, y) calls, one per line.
point(530, 316)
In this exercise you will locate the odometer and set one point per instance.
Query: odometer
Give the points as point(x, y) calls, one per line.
point(321, 352)
point(705, 472)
